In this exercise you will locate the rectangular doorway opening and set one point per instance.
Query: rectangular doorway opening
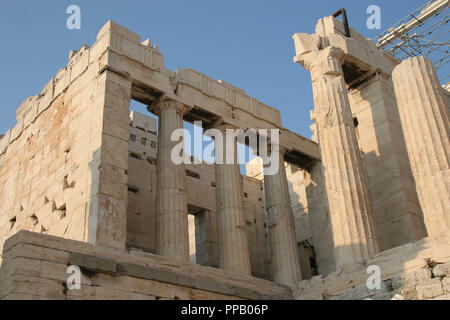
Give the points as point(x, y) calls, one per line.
point(307, 257)
point(201, 249)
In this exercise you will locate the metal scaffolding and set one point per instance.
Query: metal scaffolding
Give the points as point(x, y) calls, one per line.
point(424, 32)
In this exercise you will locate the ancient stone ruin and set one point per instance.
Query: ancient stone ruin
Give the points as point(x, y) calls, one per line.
point(86, 183)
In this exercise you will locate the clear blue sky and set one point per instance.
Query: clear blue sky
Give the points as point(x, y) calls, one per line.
point(246, 43)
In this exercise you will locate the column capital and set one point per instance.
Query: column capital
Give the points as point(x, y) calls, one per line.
point(168, 103)
point(220, 125)
point(323, 62)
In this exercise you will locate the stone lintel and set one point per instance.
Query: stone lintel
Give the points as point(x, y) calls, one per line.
point(194, 89)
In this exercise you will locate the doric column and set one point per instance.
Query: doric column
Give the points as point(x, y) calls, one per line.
point(233, 243)
point(353, 233)
point(280, 220)
point(424, 118)
point(172, 233)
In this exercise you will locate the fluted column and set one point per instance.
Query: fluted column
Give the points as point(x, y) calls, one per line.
point(424, 119)
point(350, 214)
point(280, 220)
point(172, 234)
point(233, 243)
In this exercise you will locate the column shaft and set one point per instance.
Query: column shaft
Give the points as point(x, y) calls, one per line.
point(233, 242)
point(424, 119)
point(283, 244)
point(172, 217)
point(350, 213)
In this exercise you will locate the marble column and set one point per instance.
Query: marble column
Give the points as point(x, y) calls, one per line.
point(350, 214)
point(233, 243)
point(172, 234)
point(281, 226)
point(424, 118)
